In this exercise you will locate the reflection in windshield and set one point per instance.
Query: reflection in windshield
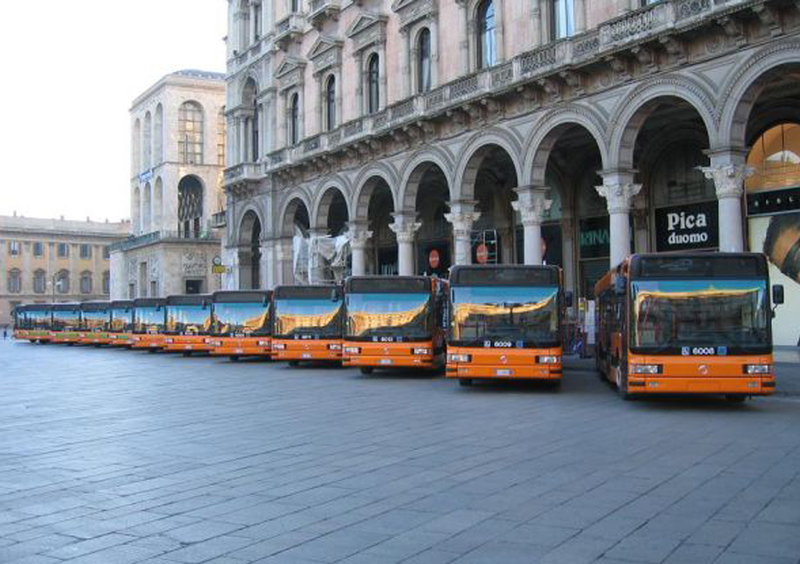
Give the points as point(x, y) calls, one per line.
point(308, 317)
point(246, 318)
point(382, 314)
point(66, 319)
point(514, 313)
point(193, 319)
point(673, 313)
point(95, 319)
point(120, 319)
point(36, 319)
point(149, 320)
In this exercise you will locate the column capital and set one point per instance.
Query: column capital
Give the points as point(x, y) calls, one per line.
point(728, 178)
point(405, 227)
point(618, 195)
point(532, 204)
point(358, 234)
point(462, 222)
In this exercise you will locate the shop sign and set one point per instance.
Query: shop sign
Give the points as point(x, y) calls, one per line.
point(694, 226)
point(594, 237)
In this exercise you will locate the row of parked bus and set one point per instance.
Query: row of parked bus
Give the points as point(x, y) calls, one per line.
point(691, 323)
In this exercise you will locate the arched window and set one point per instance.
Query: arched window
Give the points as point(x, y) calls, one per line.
point(86, 282)
point(158, 136)
point(562, 19)
point(487, 44)
point(14, 281)
point(136, 147)
point(147, 206)
point(190, 207)
point(190, 133)
point(62, 282)
point(330, 103)
point(775, 158)
point(424, 60)
point(243, 14)
point(221, 137)
point(158, 205)
point(148, 141)
point(373, 84)
point(294, 119)
point(254, 133)
point(106, 282)
point(39, 282)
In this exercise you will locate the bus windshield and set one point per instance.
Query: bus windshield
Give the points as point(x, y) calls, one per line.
point(95, 319)
point(674, 316)
point(526, 316)
point(308, 317)
point(241, 318)
point(66, 319)
point(194, 319)
point(149, 319)
point(37, 318)
point(121, 319)
point(389, 317)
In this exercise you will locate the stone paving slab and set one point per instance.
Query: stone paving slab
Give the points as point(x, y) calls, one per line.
point(113, 456)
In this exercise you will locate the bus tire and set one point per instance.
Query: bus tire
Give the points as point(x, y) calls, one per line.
point(294, 363)
point(367, 370)
point(466, 382)
point(187, 353)
point(735, 398)
point(622, 386)
point(234, 358)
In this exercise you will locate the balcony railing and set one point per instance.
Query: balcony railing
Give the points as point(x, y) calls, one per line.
point(288, 28)
point(320, 10)
point(243, 171)
point(160, 236)
point(219, 220)
point(642, 25)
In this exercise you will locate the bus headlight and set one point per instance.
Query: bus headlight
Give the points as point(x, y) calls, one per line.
point(334, 347)
point(757, 368)
point(421, 350)
point(263, 343)
point(458, 358)
point(646, 368)
point(548, 359)
point(352, 350)
point(278, 346)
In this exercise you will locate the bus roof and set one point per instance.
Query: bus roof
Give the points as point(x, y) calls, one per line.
point(308, 292)
point(95, 306)
point(189, 299)
point(505, 275)
point(242, 296)
point(66, 306)
point(148, 302)
point(388, 284)
point(121, 303)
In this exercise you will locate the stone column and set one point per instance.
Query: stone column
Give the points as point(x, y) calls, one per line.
point(405, 228)
point(359, 237)
point(462, 216)
point(265, 274)
point(531, 205)
point(406, 80)
point(580, 16)
point(536, 20)
point(463, 45)
point(242, 153)
point(316, 267)
point(618, 190)
point(283, 260)
point(729, 171)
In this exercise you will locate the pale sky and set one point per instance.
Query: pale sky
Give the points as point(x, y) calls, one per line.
point(70, 72)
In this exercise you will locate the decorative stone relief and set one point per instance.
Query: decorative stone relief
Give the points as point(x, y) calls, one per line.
point(618, 196)
point(368, 29)
point(194, 263)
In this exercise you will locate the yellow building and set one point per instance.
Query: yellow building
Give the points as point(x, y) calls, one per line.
point(45, 260)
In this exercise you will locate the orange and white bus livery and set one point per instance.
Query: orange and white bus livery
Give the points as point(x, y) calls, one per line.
point(241, 324)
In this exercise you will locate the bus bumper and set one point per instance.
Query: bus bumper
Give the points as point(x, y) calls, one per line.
point(94, 339)
point(234, 346)
point(510, 372)
point(148, 342)
point(309, 350)
point(182, 343)
point(120, 339)
point(751, 386)
point(389, 355)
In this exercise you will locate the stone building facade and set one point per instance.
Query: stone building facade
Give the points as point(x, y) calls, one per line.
point(177, 158)
point(564, 131)
point(49, 260)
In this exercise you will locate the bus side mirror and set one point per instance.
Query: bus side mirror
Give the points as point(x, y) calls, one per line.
point(777, 294)
point(619, 285)
point(568, 298)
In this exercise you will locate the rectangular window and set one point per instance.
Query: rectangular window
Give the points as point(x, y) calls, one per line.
point(38, 249)
point(13, 248)
point(106, 252)
point(153, 288)
point(106, 282)
point(295, 6)
point(86, 251)
point(63, 250)
point(562, 19)
point(131, 291)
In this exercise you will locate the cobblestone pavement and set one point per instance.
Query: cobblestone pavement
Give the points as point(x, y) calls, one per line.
point(111, 456)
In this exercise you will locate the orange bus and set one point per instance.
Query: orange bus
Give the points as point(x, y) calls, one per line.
point(307, 323)
point(394, 322)
point(506, 323)
point(149, 324)
point(241, 324)
point(189, 321)
point(120, 331)
point(687, 323)
point(95, 319)
point(33, 322)
point(66, 324)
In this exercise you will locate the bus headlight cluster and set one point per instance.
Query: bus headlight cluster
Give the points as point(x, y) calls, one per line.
point(421, 350)
point(548, 359)
point(352, 350)
point(279, 346)
point(646, 368)
point(757, 368)
point(334, 347)
point(458, 358)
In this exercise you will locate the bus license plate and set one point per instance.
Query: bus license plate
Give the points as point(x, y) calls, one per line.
point(502, 372)
point(386, 361)
point(187, 347)
point(239, 351)
point(305, 355)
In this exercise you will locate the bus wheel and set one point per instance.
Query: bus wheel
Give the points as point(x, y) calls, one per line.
point(294, 363)
point(465, 381)
point(367, 370)
point(735, 398)
point(622, 386)
point(234, 358)
point(187, 353)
